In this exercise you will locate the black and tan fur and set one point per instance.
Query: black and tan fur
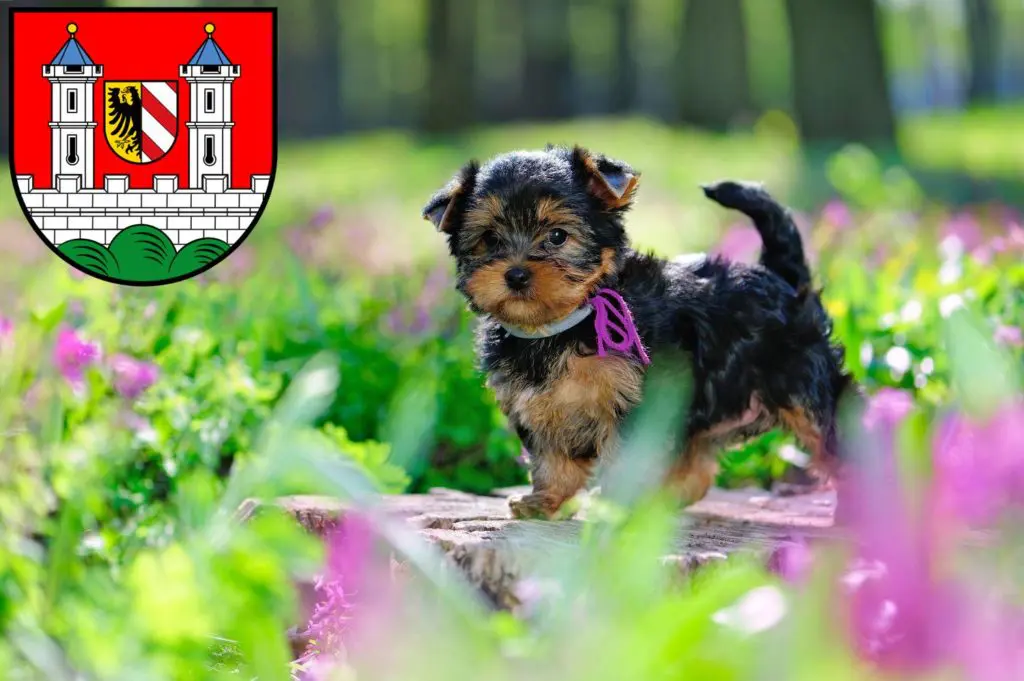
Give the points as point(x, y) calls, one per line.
point(534, 234)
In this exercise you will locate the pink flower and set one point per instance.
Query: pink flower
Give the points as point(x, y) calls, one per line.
point(1015, 236)
point(348, 581)
point(6, 331)
point(72, 355)
point(992, 644)
point(887, 408)
point(979, 470)
point(132, 377)
point(983, 254)
point(837, 213)
point(740, 243)
point(965, 229)
point(1009, 335)
point(321, 218)
point(792, 560)
point(899, 612)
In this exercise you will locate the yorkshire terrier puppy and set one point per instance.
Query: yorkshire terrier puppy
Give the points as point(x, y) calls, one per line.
point(572, 316)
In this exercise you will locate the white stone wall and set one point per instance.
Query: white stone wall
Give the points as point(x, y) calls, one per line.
point(184, 215)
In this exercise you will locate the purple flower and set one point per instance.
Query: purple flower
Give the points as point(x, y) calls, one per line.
point(322, 217)
point(837, 213)
point(886, 409)
point(6, 330)
point(300, 242)
point(984, 254)
point(898, 611)
point(979, 471)
point(1009, 335)
point(992, 643)
point(347, 579)
point(791, 560)
point(965, 229)
point(740, 243)
point(72, 355)
point(1015, 237)
point(132, 377)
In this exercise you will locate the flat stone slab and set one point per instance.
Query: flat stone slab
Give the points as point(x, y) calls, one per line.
point(478, 534)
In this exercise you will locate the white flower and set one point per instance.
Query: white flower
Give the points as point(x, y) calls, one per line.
point(758, 610)
point(911, 312)
point(867, 353)
point(952, 247)
point(794, 455)
point(927, 366)
point(950, 304)
point(950, 271)
point(898, 358)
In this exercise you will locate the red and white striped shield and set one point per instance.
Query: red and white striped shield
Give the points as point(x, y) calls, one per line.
point(141, 118)
point(159, 118)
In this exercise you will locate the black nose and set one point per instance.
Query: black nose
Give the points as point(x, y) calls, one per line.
point(517, 278)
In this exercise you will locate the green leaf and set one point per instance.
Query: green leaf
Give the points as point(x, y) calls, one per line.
point(143, 253)
point(195, 256)
point(983, 377)
point(92, 257)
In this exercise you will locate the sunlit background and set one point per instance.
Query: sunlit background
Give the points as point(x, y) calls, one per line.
point(133, 420)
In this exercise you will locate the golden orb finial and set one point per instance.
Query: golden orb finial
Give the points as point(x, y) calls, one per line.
point(72, 28)
point(209, 29)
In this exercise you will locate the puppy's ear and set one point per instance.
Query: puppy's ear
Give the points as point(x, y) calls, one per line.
point(612, 182)
point(447, 204)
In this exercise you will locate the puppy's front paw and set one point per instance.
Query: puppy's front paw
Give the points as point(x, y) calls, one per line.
point(531, 506)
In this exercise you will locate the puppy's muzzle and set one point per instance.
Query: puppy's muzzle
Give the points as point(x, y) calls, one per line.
point(517, 278)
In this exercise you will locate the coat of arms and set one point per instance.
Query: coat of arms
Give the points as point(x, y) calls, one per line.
point(143, 165)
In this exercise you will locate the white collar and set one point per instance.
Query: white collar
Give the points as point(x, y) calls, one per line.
point(552, 329)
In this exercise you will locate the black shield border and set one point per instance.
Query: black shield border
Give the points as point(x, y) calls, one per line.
point(14, 11)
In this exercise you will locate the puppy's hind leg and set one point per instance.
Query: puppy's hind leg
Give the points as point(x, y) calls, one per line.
point(691, 476)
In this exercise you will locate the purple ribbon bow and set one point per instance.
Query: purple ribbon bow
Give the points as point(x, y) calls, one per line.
point(611, 314)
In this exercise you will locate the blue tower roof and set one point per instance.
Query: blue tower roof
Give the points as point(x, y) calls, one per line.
point(209, 53)
point(72, 54)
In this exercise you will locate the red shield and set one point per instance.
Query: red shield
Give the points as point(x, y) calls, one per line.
point(144, 141)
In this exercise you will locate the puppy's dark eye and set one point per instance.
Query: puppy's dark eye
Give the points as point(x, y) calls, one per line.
point(557, 237)
point(490, 239)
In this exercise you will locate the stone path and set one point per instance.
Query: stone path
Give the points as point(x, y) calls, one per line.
point(479, 536)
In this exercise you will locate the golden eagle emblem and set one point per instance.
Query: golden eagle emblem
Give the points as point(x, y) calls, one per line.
point(124, 120)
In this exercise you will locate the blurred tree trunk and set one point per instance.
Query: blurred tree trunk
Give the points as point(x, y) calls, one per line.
point(309, 68)
point(624, 72)
point(548, 60)
point(839, 78)
point(451, 32)
point(714, 80)
point(983, 39)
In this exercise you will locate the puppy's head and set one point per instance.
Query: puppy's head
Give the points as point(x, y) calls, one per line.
point(534, 233)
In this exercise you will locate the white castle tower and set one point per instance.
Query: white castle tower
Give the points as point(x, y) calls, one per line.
point(210, 75)
point(71, 75)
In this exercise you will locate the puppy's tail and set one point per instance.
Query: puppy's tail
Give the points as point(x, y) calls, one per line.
point(783, 249)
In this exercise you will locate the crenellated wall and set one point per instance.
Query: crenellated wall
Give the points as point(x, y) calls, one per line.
point(70, 212)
